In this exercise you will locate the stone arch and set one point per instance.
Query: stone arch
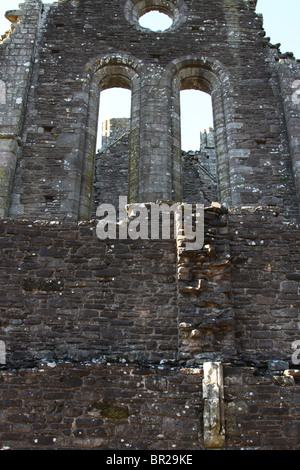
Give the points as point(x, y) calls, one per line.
point(103, 73)
point(200, 73)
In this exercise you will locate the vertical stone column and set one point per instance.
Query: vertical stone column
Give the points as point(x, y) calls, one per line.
point(134, 141)
point(289, 76)
point(176, 139)
point(155, 162)
point(223, 139)
point(231, 10)
point(9, 146)
point(213, 396)
point(16, 62)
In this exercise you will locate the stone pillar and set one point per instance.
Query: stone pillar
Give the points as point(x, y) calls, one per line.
point(155, 162)
point(8, 159)
point(213, 414)
point(17, 59)
point(289, 76)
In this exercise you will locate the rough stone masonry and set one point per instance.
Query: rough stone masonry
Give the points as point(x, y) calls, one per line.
point(143, 344)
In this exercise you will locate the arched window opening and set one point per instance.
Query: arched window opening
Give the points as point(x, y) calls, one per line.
point(196, 116)
point(115, 103)
point(199, 174)
point(112, 156)
point(117, 76)
point(198, 143)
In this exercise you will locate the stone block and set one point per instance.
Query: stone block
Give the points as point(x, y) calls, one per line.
point(289, 287)
point(276, 365)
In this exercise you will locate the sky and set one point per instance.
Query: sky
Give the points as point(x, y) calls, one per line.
point(281, 23)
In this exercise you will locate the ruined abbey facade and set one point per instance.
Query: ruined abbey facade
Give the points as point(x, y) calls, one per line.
point(145, 344)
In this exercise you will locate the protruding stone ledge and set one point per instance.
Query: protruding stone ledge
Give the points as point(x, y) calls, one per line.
point(8, 141)
point(13, 15)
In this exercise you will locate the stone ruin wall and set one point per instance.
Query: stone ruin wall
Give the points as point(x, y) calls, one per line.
point(134, 345)
point(106, 345)
point(199, 173)
point(244, 76)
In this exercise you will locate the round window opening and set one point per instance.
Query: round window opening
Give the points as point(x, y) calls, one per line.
point(155, 15)
point(155, 21)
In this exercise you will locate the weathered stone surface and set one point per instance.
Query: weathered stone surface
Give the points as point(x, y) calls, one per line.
point(103, 343)
point(62, 106)
point(108, 298)
point(278, 365)
point(213, 413)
